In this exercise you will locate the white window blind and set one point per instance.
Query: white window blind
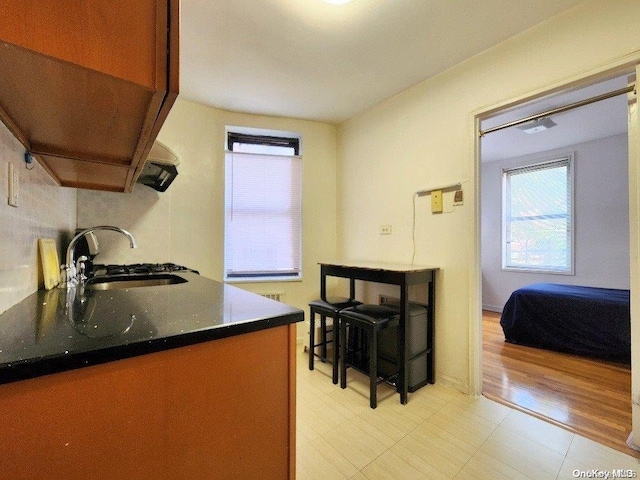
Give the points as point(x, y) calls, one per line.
point(537, 217)
point(263, 216)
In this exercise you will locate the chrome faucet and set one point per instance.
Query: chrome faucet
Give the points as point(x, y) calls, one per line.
point(73, 273)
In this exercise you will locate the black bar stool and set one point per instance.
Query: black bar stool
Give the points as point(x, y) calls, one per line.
point(327, 309)
point(370, 319)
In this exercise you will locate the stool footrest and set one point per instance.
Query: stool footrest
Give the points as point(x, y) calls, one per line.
point(364, 369)
point(323, 343)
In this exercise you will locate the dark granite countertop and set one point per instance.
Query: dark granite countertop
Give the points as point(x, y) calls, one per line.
point(51, 332)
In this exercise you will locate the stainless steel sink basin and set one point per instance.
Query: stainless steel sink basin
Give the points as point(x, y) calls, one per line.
point(132, 281)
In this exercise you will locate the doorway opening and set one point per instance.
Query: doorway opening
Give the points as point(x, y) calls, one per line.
point(572, 230)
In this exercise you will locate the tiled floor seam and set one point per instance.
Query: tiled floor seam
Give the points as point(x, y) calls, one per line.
point(542, 444)
point(463, 466)
point(566, 456)
point(393, 445)
point(418, 426)
point(480, 447)
point(327, 440)
point(385, 451)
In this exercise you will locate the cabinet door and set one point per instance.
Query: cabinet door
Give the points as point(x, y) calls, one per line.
point(234, 399)
point(122, 38)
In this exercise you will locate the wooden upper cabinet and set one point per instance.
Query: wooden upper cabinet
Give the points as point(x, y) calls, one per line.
point(87, 84)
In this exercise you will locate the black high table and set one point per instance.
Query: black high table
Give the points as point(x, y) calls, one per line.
point(393, 274)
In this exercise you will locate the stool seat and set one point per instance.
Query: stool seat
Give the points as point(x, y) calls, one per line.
point(377, 316)
point(329, 308)
point(370, 319)
point(333, 304)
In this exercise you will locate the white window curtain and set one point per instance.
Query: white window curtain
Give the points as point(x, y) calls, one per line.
point(263, 216)
point(537, 217)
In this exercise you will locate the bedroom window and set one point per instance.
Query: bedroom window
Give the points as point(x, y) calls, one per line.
point(537, 226)
point(263, 207)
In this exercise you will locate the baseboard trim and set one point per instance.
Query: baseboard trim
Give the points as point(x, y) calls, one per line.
point(630, 443)
point(451, 382)
point(492, 308)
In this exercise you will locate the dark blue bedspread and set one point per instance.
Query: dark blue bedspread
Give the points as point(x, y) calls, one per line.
point(567, 318)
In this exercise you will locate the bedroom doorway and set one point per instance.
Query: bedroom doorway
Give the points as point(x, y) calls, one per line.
point(588, 245)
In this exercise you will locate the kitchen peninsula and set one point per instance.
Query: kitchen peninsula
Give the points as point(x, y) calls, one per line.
point(191, 380)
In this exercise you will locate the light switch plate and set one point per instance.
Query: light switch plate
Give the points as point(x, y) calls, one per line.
point(436, 201)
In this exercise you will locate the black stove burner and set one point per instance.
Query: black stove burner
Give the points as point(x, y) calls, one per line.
point(139, 269)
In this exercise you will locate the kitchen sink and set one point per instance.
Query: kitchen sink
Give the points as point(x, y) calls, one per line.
point(132, 281)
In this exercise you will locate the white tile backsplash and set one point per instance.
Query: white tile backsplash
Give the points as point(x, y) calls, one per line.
point(44, 210)
point(145, 213)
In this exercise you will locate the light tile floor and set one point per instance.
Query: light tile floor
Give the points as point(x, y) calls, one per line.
point(440, 434)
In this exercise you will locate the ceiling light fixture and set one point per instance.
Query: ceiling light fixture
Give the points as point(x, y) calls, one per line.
point(538, 125)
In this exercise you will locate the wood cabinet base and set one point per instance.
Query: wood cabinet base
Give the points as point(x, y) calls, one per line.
point(220, 409)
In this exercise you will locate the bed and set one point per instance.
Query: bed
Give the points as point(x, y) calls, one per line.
point(588, 321)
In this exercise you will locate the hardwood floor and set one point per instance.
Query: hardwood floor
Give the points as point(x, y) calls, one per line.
point(586, 396)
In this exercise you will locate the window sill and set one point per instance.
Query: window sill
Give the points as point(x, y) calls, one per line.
point(263, 280)
point(534, 270)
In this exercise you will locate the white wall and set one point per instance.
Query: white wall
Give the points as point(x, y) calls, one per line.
point(424, 137)
point(44, 211)
point(601, 183)
point(185, 224)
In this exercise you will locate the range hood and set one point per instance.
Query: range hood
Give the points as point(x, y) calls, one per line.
point(160, 168)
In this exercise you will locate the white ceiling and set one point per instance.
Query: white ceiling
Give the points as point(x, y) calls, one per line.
point(597, 120)
point(312, 60)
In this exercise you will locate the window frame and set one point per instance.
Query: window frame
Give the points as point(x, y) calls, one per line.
point(254, 136)
point(269, 139)
point(539, 163)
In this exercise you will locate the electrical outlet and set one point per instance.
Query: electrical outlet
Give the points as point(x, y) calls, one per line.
point(14, 185)
point(458, 198)
point(385, 229)
point(436, 201)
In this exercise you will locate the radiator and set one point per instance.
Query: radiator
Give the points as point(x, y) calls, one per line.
point(277, 296)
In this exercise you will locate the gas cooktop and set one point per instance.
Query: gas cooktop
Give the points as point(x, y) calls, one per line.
point(138, 269)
